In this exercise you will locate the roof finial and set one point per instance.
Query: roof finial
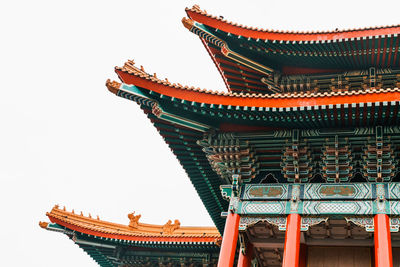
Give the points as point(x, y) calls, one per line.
point(43, 224)
point(188, 23)
point(134, 220)
point(141, 68)
point(113, 86)
point(169, 228)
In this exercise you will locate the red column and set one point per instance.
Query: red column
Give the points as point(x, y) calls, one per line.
point(245, 260)
point(383, 244)
point(229, 241)
point(292, 241)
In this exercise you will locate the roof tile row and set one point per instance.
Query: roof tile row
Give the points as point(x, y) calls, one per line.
point(68, 219)
point(197, 10)
point(130, 68)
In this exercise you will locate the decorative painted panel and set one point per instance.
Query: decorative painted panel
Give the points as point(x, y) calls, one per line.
point(394, 191)
point(320, 199)
point(279, 221)
point(337, 207)
point(323, 191)
point(256, 207)
point(246, 222)
point(307, 207)
point(270, 192)
point(338, 191)
point(394, 207)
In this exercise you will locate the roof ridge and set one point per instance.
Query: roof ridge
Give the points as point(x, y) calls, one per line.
point(139, 229)
point(196, 9)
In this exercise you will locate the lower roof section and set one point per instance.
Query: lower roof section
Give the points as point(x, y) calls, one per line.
point(135, 244)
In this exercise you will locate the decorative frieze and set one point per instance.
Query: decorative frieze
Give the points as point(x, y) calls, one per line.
point(323, 191)
point(337, 207)
point(270, 192)
point(368, 223)
point(307, 222)
point(338, 191)
point(246, 222)
point(364, 222)
point(315, 199)
point(279, 221)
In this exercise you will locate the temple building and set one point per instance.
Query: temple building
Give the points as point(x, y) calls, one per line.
point(297, 164)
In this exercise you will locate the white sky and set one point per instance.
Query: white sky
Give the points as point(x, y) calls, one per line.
point(65, 139)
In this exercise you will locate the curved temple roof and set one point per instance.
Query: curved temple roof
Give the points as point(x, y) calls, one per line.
point(253, 32)
point(257, 60)
point(183, 114)
point(135, 231)
point(130, 74)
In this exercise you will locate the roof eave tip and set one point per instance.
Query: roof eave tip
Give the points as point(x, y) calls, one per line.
point(113, 86)
point(43, 225)
point(188, 23)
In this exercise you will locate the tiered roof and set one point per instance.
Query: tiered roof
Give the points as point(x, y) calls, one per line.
point(258, 60)
point(100, 238)
point(252, 103)
point(186, 116)
point(285, 90)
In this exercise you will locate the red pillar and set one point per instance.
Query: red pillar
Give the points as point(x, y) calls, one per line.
point(292, 241)
point(245, 260)
point(229, 241)
point(383, 244)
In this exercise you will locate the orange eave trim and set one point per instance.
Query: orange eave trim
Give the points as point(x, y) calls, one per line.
point(226, 26)
point(260, 100)
point(128, 237)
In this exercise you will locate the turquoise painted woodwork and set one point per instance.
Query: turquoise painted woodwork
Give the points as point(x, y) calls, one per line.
point(325, 199)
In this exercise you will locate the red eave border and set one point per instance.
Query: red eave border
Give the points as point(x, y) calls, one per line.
point(254, 100)
point(288, 36)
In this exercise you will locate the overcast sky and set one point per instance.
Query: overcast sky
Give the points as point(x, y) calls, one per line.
point(66, 140)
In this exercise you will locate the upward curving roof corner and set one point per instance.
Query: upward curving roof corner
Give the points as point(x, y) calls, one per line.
point(132, 75)
point(255, 60)
point(218, 22)
point(137, 231)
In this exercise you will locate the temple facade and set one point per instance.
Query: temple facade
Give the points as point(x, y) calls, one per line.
point(297, 164)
